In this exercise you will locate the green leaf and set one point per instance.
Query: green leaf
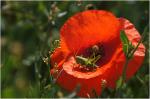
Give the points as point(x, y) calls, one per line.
point(124, 38)
point(125, 49)
point(125, 42)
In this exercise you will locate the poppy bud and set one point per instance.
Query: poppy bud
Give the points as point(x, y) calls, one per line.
point(103, 83)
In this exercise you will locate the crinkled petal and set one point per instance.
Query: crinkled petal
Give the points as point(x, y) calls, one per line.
point(89, 27)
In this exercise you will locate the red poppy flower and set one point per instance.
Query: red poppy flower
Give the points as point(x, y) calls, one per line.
point(83, 31)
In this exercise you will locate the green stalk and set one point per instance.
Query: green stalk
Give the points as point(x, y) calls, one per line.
point(124, 70)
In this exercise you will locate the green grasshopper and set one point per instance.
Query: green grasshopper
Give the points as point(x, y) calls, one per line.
point(90, 61)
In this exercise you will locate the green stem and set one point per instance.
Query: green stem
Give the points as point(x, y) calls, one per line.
point(124, 71)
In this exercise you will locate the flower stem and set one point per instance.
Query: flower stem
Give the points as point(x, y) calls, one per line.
point(125, 69)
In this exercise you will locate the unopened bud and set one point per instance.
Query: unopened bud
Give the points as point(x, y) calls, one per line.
point(45, 59)
point(60, 94)
point(89, 7)
point(103, 83)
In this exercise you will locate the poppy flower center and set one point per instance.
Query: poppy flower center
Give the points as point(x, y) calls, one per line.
point(88, 61)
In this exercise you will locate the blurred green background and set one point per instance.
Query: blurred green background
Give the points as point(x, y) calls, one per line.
point(28, 31)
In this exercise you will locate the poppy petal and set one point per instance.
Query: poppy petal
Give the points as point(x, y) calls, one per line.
point(89, 27)
point(69, 79)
